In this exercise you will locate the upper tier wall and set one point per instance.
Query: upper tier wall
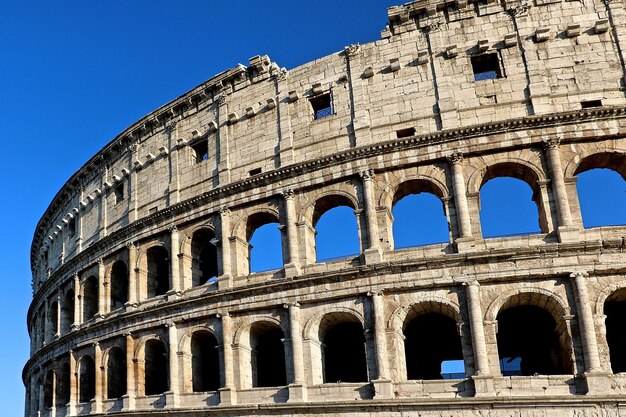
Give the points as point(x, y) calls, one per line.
point(551, 57)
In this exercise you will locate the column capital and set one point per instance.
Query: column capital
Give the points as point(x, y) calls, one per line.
point(224, 211)
point(288, 194)
point(130, 245)
point(367, 175)
point(289, 306)
point(172, 229)
point(220, 99)
point(455, 158)
point(100, 261)
point(376, 293)
point(551, 142)
point(577, 274)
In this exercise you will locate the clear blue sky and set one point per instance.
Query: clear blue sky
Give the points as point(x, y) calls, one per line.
point(76, 73)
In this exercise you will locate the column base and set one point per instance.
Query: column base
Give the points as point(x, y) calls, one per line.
point(598, 383)
point(297, 393)
point(292, 270)
point(171, 399)
point(465, 244)
point(483, 386)
point(372, 256)
point(128, 403)
point(228, 396)
point(224, 282)
point(70, 409)
point(568, 234)
point(95, 407)
point(173, 295)
point(383, 388)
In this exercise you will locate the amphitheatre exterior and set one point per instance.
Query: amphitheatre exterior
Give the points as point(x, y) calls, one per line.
point(143, 298)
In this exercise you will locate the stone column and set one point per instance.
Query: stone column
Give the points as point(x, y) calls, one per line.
point(292, 268)
point(174, 391)
point(228, 394)
point(225, 279)
point(77, 299)
point(174, 266)
point(587, 327)
point(132, 274)
point(483, 382)
point(564, 216)
point(223, 163)
point(53, 406)
point(297, 391)
point(128, 400)
point(460, 198)
point(102, 302)
point(71, 405)
point(58, 317)
point(98, 397)
point(33, 396)
point(382, 384)
point(373, 254)
point(133, 182)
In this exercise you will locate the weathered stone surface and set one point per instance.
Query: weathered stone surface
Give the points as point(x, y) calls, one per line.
point(120, 299)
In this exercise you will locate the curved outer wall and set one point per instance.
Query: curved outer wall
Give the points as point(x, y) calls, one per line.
point(151, 190)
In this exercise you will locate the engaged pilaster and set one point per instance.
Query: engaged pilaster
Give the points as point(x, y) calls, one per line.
point(101, 289)
point(292, 268)
point(132, 276)
point(225, 279)
point(171, 396)
point(465, 239)
point(567, 233)
point(373, 253)
point(228, 394)
point(297, 389)
point(175, 290)
point(128, 400)
point(382, 384)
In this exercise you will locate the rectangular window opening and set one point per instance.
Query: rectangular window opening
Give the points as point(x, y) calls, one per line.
point(322, 106)
point(589, 104)
point(200, 151)
point(405, 133)
point(255, 171)
point(486, 67)
point(118, 192)
point(153, 210)
point(72, 227)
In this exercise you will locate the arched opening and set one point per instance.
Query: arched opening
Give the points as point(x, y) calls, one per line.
point(432, 347)
point(336, 228)
point(265, 251)
point(67, 312)
point(615, 312)
point(158, 271)
point(119, 285)
point(86, 379)
point(156, 366)
point(267, 355)
point(90, 298)
point(116, 373)
point(53, 318)
point(343, 349)
point(419, 216)
point(507, 208)
point(48, 388)
point(602, 195)
point(63, 385)
point(529, 342)
point(203, 257)
point(205, 362)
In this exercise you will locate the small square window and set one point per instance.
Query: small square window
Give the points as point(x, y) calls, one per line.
point(200, 151)
point(322, 106)
point(118, 193)
point(255, 171)
point(589, 104)
point(486, 67)
point(405, 133)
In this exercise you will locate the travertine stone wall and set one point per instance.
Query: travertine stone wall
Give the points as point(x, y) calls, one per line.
point(407, 115)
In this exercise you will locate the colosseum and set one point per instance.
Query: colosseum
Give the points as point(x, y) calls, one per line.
point(144, 302)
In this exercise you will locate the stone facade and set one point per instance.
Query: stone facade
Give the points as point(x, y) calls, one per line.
point(126, 318)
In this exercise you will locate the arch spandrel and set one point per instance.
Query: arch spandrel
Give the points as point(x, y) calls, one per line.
point(547, 297)
point(525, 165)
point(425, 304)
point(311, 328)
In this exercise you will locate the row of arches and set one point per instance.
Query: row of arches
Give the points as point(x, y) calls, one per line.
point(532, 337)
point(338, 215)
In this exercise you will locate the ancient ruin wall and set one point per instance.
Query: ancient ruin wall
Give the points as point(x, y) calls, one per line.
point(453, 95)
